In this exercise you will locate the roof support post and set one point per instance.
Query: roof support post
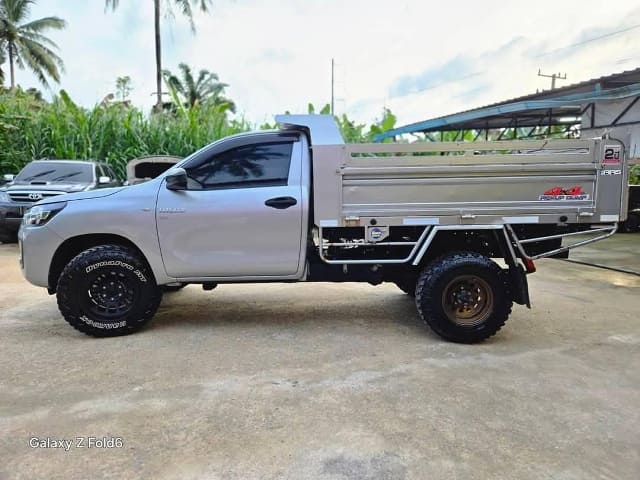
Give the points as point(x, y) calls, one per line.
point(626, 109)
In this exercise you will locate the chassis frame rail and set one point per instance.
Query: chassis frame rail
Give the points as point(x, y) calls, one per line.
point(422, 243)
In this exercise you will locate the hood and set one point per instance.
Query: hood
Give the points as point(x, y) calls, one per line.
point(48, 187)
point(102, 192)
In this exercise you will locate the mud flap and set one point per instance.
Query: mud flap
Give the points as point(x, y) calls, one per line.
point(518, 285)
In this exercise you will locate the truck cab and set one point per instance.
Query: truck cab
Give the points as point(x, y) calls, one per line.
point(237, 209)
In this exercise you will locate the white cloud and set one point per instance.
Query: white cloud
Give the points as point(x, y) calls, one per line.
point(276, 55)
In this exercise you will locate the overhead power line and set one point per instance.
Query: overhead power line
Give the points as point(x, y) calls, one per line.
point(589, 40)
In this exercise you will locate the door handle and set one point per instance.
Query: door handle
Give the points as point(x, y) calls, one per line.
point(281, 202)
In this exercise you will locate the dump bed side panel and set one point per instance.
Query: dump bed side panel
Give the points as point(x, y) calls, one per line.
point(550, 181)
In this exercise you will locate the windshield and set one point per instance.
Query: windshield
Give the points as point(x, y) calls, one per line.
point(56, 172)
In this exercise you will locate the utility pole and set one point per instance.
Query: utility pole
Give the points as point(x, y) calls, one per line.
point(333, 67)
point(553, 77)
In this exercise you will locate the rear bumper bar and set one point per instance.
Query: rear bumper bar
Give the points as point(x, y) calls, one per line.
point(603, 232)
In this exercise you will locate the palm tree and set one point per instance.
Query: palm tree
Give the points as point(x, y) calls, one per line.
point(186, 7)
point(2, 60)
point(206, 88)
point(24, 41)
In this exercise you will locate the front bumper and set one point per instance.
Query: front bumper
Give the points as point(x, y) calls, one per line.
point(11, 216)
point(37, 247)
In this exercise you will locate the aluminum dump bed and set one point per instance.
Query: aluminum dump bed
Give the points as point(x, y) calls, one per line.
point(457, 183)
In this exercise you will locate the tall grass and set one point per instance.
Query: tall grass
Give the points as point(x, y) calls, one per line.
point(32, 129)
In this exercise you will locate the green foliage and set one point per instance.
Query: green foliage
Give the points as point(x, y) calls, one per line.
point(24, 42)
point(123, 87)
point(186, 8)
point(32, 129)
point(634, 177)
point(353, 132)
point(190, 91)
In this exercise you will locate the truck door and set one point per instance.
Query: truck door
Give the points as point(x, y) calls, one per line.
point(241, 214)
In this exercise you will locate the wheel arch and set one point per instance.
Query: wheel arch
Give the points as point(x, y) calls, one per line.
point(488, 240)
point(71, 247)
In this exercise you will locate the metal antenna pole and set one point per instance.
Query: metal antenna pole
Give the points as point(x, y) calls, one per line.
point(553, 77)
point(333, 65)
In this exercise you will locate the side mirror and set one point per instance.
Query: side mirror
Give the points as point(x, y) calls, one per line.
point(8, 177)
point(104, 180)
point(177, 180)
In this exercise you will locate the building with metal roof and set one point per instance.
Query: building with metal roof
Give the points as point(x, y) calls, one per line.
point(588, 109)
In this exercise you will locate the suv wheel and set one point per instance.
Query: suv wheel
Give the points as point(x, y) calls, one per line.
point(8, 237)
point(107, 291)
point(463, 297)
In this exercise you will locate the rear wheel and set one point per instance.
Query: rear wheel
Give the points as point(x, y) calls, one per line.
point(107, 291)
point(463, 297)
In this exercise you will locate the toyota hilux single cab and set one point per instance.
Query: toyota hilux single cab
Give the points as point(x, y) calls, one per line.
point(457, 225)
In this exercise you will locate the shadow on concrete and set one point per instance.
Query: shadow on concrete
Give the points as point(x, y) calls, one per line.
point(620, 253)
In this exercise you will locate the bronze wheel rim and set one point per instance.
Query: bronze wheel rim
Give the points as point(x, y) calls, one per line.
point(467, 300)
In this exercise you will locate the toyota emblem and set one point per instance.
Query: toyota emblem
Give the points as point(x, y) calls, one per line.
point(35, 196)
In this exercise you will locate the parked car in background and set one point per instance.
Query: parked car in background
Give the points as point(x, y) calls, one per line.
point(43, 179)
point(143, 169)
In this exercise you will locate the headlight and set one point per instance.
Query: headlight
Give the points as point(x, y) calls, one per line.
point(4, 197)
point(41, 214)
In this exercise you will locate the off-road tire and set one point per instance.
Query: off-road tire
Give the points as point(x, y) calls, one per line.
point(111, 269)
point(434, 282)
point(8, 237)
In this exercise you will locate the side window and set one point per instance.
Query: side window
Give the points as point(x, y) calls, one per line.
point(111, 173)
point(261, 165)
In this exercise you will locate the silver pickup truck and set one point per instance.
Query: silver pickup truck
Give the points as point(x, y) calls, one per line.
point(456, 225)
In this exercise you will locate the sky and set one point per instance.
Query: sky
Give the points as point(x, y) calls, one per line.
point(420, 58)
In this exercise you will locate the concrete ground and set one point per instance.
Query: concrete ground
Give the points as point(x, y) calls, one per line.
point(621, 251)
point(325, 381)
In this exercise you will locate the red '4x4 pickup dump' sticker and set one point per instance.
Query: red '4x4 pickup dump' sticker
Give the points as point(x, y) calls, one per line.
point(560, 193)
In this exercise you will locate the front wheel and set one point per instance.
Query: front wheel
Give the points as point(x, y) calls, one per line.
point(463, 297)
point(107, 291)
point(8, 237)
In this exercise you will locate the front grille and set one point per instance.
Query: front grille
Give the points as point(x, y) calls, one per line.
point(31, 197)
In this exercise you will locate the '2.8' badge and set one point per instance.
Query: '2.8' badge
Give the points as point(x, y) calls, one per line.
point(612, 154)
